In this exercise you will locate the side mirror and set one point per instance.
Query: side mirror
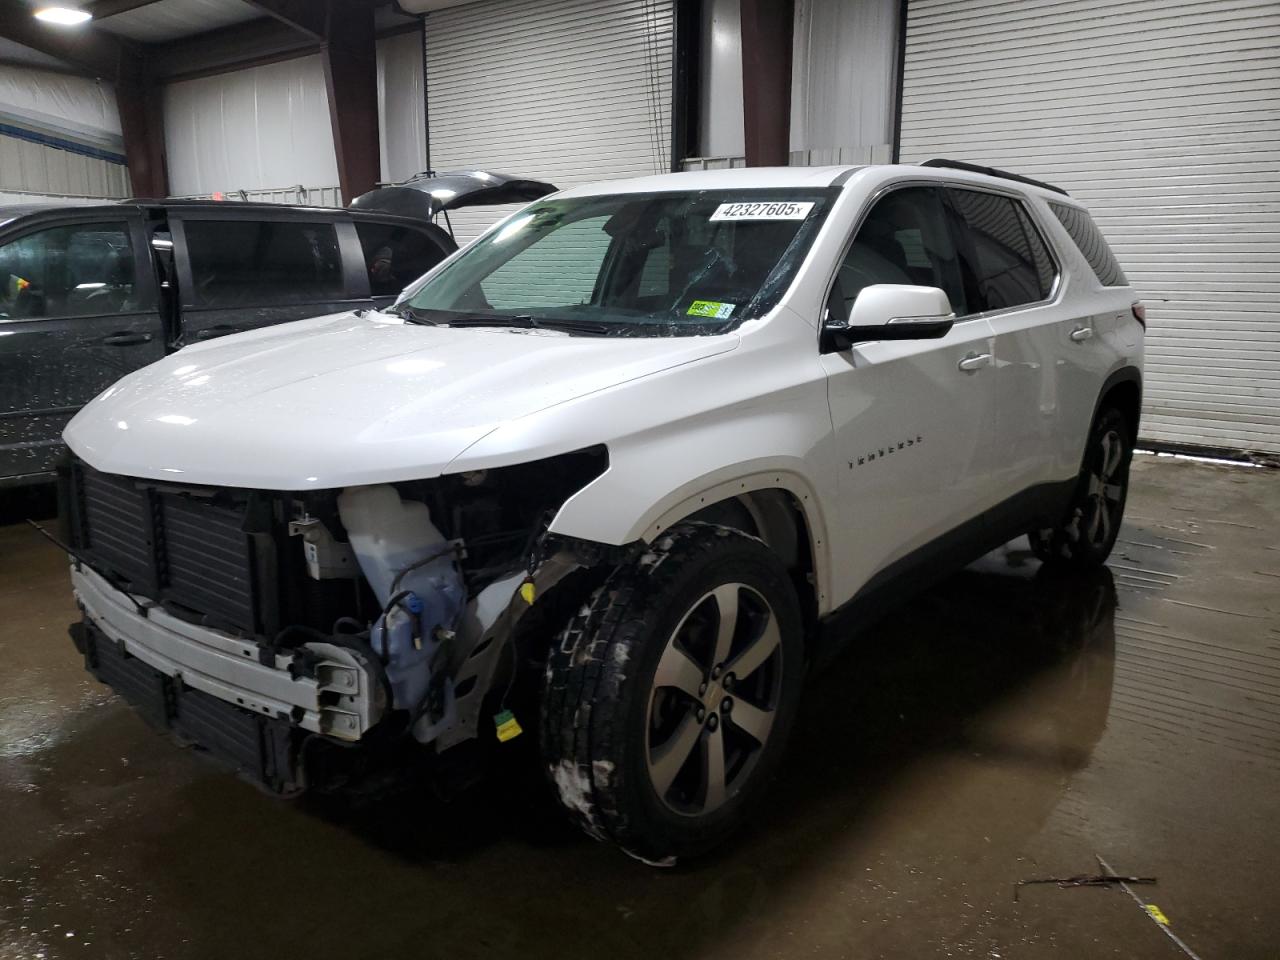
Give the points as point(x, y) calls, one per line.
point(894, 311)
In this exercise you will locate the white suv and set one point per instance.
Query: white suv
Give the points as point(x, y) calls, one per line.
point(599, 475)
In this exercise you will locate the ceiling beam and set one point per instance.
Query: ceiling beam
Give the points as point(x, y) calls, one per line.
point(101, 9)
point(310, 17)
point(239, 45)
point(92, 52)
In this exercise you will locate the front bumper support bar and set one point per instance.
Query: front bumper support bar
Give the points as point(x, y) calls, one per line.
point(338, 698)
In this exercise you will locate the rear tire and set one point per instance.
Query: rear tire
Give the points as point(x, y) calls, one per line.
point(1093, 520)
point(669, 697)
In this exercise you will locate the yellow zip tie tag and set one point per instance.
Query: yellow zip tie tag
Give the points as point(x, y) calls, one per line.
point(508, 726)
point(527, 593)
point(1157, 914)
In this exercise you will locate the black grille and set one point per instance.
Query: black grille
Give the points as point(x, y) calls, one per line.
point(208, 559)
point(175, 546)
point(118, 527)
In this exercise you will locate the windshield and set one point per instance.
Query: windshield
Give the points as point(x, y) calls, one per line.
point(654, 264)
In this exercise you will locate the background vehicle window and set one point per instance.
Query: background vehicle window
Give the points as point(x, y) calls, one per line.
point(1092, 244)
point(258, 263)
point(73, 271)
point(904, 239)
point(560, 271)
point(995, 251)
point(395, 255)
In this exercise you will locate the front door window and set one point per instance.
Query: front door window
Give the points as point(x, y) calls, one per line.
point(70, 271)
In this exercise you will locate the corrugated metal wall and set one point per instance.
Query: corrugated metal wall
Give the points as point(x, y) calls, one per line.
point(1164, 117)
point(568, 91)
point(41, 169)
point(59, 136)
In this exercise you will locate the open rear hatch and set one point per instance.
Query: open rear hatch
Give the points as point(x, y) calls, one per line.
point(428, 194)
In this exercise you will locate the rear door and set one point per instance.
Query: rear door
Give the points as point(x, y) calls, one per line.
point(1013, 279)
point(77, 312)
point(243, 269)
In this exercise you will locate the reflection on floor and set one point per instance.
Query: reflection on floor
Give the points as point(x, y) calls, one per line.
point(1005, 725)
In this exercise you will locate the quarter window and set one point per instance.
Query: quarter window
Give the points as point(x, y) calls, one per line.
point(904, 239)
point(250, 263)
point(1092, 244)
point(72, 271)
point(395, 255)
point(1002, 264)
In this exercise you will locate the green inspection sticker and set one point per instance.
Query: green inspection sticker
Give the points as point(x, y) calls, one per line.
point(710, 308)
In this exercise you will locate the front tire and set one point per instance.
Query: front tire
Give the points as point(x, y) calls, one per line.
point(1097, 506)
point(669, 697)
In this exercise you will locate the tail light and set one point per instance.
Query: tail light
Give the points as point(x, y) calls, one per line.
point(1140, 313)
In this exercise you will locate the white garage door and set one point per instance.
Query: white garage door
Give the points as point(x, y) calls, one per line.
point(1164, 117)
point(567, 91)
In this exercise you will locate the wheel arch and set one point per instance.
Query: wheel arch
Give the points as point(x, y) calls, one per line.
point(1123, 390)
point(779, 506)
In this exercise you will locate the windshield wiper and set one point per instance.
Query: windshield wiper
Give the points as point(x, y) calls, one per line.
point(409, 315)
point(527, 322)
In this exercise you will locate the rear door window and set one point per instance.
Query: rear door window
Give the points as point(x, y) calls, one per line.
point(395, 255)
point(243, 263)
point(1002, 264)
point(1092, 244)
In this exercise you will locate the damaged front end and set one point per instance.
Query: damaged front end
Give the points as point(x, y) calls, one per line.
point(282, 630)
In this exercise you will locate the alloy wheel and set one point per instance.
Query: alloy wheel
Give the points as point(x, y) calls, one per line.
point(1104, 493)
point(713, 701)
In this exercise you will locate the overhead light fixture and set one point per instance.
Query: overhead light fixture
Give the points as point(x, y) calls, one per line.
point(63, 16)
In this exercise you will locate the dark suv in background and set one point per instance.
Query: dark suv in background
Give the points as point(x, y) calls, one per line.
point(90, 293)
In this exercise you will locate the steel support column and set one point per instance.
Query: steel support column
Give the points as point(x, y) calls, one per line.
point(766, 80)
point(142, 124)
point(351, 74)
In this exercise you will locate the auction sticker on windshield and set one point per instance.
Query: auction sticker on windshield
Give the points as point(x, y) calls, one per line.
point(764, 210)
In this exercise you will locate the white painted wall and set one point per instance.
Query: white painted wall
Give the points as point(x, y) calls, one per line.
point(260, 128)
point(843, 78)
point(720, 121)
point(401, 117)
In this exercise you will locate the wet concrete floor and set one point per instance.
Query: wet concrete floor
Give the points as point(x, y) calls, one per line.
point(1006, 725)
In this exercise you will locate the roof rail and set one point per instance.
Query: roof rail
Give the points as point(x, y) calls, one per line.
point(992, 172)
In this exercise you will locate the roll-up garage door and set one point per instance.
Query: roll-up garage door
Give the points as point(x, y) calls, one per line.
point(1164, 117)
point(566, 91)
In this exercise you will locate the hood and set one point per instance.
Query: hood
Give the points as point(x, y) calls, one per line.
point(349, 399)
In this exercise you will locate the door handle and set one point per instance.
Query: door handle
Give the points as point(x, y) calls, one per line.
point(974, 362)
point(1081, 334)
point(126, 339)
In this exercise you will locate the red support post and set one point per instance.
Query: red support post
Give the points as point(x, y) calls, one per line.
point(142, 124)
point(351, 75)
point(767, 27)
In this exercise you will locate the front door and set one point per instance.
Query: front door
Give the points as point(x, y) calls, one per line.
point(77, 312)
point(912, 420)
